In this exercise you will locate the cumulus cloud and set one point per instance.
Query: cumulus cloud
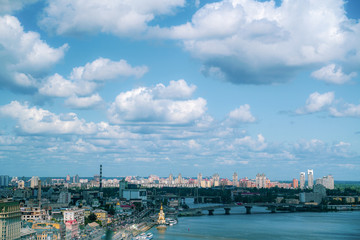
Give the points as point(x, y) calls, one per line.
point(257, 42)
point(58, 86)
point(176, 90)
point(105, 69)
point(24, 56)
point(254, 144)
point(347, 110)
point(84, 102)
point(85, 147)
point(322, 149)
point(33, 120)
point(240, 115)
point(333, 74)
point(9, 6)
point(326, 102)
point(317, 102)
point(84, 80)
point(122, 18)
point(156, 104)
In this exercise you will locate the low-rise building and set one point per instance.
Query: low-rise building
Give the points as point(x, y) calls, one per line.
point(101, 214)
point(34, 214)
point(27, 234)
point(47, 230)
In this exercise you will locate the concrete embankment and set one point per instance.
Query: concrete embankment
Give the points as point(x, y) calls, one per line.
point(143, 227)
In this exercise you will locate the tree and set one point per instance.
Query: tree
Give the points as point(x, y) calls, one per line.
point(92, 217)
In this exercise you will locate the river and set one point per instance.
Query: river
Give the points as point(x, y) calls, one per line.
point(264, 225)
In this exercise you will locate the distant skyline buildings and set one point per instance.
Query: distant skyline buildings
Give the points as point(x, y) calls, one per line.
point(310, 178)
point(260, 181)
point(235, 179)
point(326, 181)
point(302, 180)
point(4, 180)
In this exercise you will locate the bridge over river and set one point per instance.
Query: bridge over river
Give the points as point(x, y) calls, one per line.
point(248, 206)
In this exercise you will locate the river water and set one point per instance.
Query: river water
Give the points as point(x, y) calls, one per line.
point(264, 225)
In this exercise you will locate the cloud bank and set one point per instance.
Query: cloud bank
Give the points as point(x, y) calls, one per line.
point(257, 42)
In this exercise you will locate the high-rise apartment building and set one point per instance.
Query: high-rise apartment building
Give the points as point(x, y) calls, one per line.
point(295, 183)
point(34, 181)
point(76, 179)
point(260, 180)
point(10, 220)
point(199, 179)
point(310, 178)
point(4, 180)
point(326, 181)
point(216, 180)
point(171, 179)
point(179, 179)
point(302, 180)
point(235, 179)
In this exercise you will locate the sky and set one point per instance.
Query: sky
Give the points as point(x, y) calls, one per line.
point(159, 87)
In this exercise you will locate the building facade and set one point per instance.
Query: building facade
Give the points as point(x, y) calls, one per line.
point(302, 180)
point(10, 220)
point(235, 180)
point(326, 181)
point(75, 214)
point(33, 214)
point(310, 178)
point(295, 183)
point(34, 181)
point(4, 180)
point(260, 180)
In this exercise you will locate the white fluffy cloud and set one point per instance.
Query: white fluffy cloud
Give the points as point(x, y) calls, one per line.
point(8, 6)
point(105, 69)
point(24, 56)
point(241, 115)
point(317, 102)
point(347, 110)
point(84, 80)
point(84, 102)
point(256, 42)
point(254, 144)
point(58, 86)
point(150, 105)
point(34, 120)
point(176, 90)
point(122, 18)
point(333, 74)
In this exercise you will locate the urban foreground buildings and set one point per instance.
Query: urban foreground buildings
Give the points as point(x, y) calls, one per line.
point(10, 220)
point(60, 208)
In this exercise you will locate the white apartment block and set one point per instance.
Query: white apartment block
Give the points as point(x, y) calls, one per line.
point(75, 214)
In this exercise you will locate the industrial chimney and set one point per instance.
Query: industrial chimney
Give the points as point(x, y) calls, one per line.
point(100, 177)
point(39, 193)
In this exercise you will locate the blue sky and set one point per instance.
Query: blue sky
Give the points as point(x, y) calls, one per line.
point(159, 87)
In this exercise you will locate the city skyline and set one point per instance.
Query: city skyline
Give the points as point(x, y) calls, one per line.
point(171, 177)
point(180, 87)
